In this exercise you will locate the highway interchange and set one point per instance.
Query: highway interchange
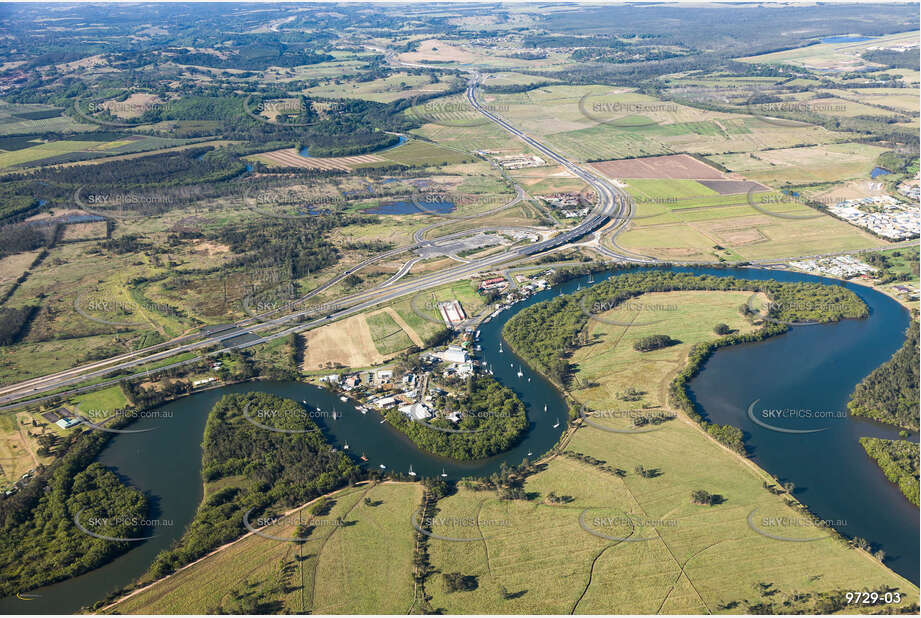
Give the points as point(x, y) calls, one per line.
point(610, 214)
point(613, 205)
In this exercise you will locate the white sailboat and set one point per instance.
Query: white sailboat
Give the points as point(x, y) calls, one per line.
point(545, 407)
point(411, 473)
point(383, 467)
point(500, 347)
point(443, 473)
point(557, 424)
point(345, 447)
point(519, 371)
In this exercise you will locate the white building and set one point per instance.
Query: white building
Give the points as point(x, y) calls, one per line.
point(454, 354)
point(385, 402)
point(416, 411)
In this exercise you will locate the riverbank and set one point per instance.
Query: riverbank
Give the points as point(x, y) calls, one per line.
point(362, 528)
point(383, 445)
point(672, 387)
point(861, 524)
point(267, 526)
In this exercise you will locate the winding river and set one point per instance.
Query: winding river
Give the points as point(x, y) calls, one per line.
point(810, 367)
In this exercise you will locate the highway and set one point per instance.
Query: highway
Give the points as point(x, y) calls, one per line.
point(612, 212)
point(611, 204)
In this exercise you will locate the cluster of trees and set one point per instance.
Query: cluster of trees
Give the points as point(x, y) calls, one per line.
point(493, 421)
point(893, 59)
point(21, 237)
point(295, 351)
point(165, 390)
point(273, 469)
point(898, 459)
point(890, 394)
point(298, 247)
point(729, 435)
point(593, 461)
point(884, 264)
point(567, 40)
point(507, 482)
point(646, 473)
point(357, 143)
point(14, 206)
point(898, 162)
point(39, 540)
point(14, 322)
point(656, 418)
point(632, 54)
point(653, 342)
point(699, 496)
point(456, 582)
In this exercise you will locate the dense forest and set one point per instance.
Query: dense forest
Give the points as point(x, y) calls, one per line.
point(493, 420)
point(299, 246)
point(890, 394)
point(260, 469)
point(199, 165)
point(40, 542)
point(251, 58)
point(894, 59)
point(13, 322)
point(898, 459)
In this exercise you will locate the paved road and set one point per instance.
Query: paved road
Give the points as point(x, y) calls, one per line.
point(419, 235)
point(609, 205)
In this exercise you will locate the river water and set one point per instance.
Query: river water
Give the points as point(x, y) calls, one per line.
point(810, 367)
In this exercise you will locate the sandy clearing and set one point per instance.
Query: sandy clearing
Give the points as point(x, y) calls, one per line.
point(211, 248)
point(347, 342)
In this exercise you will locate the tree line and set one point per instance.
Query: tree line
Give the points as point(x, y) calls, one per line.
point(890, 394)
point(269, 470)
point(898, 459)
point(547, 333)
